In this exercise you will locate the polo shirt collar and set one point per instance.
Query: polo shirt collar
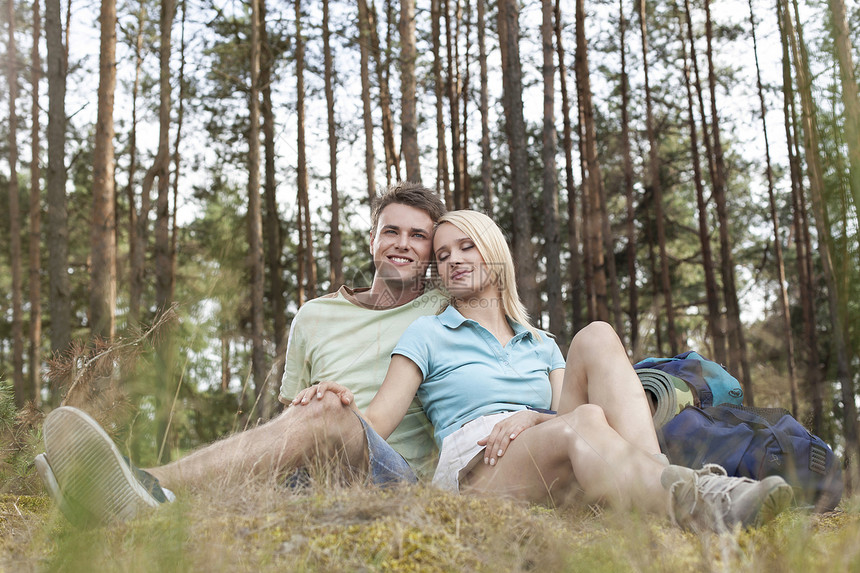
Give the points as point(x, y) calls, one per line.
point(452, 318)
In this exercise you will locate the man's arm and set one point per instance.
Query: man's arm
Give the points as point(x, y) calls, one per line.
point(297, 363)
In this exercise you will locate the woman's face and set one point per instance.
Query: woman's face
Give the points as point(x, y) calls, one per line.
point(461, 267)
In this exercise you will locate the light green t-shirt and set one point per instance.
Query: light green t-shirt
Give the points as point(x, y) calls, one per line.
point(337, 338)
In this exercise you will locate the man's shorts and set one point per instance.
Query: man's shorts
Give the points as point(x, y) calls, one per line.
point(387, 467)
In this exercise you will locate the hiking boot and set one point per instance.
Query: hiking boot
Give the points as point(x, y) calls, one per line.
point(84, 472)
point(709, 500)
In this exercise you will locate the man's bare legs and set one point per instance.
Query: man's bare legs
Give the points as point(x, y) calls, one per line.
point(324, 431)
point(598, 371)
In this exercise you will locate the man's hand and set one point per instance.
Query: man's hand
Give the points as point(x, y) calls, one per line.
point(506, 431)
point(318, 390)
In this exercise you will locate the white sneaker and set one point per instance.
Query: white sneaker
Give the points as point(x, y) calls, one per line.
point(708, 499)
point(43, 468)
point(88, 477)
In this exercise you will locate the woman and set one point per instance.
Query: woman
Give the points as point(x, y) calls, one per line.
point(488, 381)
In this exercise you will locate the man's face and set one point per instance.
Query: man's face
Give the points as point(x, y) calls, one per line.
point(401, 245)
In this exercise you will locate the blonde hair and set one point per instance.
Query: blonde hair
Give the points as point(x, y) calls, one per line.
point(491, 244)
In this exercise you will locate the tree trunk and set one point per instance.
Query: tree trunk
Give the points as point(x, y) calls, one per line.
point(601, 216)
point(711, 295)
point(655, 287)
point(392, 159)
point(163, 264)
point(136, 228)
point(364, 47)
point(515, 129)
point(442, 183)
point(552, 241)
point(302, 166)
point(160, 167)
point(180, 114)
point(452, 87)
point(464, 93)
point(20, 390)
point(738, 361)
point(720, 344)
point(301, 287)
point(801, 235)
point(334, 249)
point(588, 254)
point(632, 289)
point(272, 221)
point(102, 231)
point(609, 255)
point(409, 97)
point(777, 241)
point(575, 267)
point(842, 47)
point(226, 374)
point(58, 231)
point(711, 287)
point(816, 183)
point(255, 219)
point(593, 183)
point(35, 271)
point(486, 159)
point(657, 190)
point(68, 32)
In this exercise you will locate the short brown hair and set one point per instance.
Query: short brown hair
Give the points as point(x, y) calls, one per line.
point(410, 194)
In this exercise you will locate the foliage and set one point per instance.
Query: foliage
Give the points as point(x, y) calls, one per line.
point(263, 527)
point(20, 434)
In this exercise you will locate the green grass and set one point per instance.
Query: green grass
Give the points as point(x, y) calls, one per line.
point(260, 527)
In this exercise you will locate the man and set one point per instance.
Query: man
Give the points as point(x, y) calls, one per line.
point(346, 336)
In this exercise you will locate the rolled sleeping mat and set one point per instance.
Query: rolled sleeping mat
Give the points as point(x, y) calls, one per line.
point(668, 394)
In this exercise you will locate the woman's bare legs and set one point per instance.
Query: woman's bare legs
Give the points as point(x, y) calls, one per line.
point(598, 371)
point(577, 449)
point(581, 450)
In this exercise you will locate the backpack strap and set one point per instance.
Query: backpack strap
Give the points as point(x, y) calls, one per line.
point(729, 413)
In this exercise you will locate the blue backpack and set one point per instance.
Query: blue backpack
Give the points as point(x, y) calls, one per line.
point(756, 443)
point(714, 427)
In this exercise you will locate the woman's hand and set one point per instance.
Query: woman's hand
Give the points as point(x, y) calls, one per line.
point(318, 390)
point(506, 431)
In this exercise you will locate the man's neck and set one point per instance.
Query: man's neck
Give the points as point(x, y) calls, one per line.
point(388, 295)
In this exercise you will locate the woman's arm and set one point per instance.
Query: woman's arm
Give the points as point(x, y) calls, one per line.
point(390, 404)
point(556, 381)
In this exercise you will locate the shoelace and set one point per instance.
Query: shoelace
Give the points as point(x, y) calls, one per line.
point(704, 487)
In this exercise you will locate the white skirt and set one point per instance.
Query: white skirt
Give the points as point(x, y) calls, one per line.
point(461, 452)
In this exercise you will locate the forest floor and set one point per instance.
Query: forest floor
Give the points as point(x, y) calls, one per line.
point(261, 527)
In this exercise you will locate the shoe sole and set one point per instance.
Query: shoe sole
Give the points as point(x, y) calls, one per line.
point(776, 501)
point(43, 468)
point(96, 483)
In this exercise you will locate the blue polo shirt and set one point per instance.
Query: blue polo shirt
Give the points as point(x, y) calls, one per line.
point(469, 374)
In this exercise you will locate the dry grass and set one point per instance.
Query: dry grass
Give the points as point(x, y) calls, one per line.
point(263, 527)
